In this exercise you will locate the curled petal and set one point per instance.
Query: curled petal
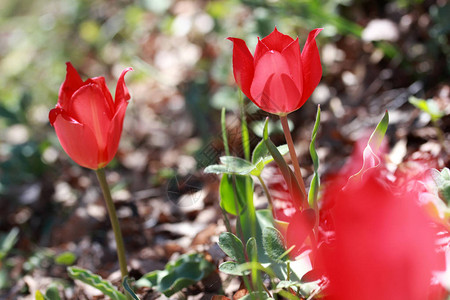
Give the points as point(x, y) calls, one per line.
point(122, 94)
point(243, 67)
point(115, 131)
point(312, 69)
point(72, 83)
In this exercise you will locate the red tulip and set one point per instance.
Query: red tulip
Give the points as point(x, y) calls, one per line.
point(87, 121)
point(278, 78)
point(384, 245)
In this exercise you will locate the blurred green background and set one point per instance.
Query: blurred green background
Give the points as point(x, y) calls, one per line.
point(182, 76)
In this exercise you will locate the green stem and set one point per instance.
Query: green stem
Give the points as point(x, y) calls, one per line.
point(244, 128)
point(114, 221)
point(266, 191)
point(293, 154)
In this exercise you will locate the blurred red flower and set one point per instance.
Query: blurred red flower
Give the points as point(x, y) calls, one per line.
point(384, 245)
point(87, 121)
point(278, 78)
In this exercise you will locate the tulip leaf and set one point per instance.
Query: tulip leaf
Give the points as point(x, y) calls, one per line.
point(252, 249)
point(232, 268)
point(66, 258)
point(261, 155)
point(8, 241)
point(315, 183)
point(428, 106)
point(128, 289)
point(96, 281)
point(52, 293)
point(232, 246)
point(185, 271)
point(256, 295)
point(274, 245)
point(224, 132)
point(370, 157)
point(289, 177)
point(442, 180)
point(233, 194)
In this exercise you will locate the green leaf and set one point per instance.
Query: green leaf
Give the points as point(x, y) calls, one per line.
point(96, 281)
point(428, 106)
point(289, 177)
point(256, 295)
point(185, 271)
point(232, 246)
point(232, 268)
point(315, 182)
point(231, 165)
point(52, 293)
point(252, 249)
point(8, 241)
point(261, 156)
point(38, 295)
point(274, 245)
point(228, 199)
point(370, 158)
point(377, 135)
point(128, 289)
point(442, 180)
point(66, 258)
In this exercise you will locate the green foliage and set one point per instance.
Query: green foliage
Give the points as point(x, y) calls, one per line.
point(293, 185)
point(183, 272)
point(256, 295)
point(232, 246)
point(66, 258)
point(236, 165)
point(370, 157)
point(52, 293)
point(8, 241)
point(442, 180)
point(315, 183)
point(428, 106)
point(128, 288)
point(95, 281)
point(233, 194)
point(274, 244)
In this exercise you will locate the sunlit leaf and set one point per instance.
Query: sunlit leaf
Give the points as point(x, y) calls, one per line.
point(232, 246)
point(96, 281)
point(185, 271)
point(315, 182)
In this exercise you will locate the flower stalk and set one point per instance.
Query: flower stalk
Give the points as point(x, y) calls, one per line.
point(114, 221)
point(293, 154)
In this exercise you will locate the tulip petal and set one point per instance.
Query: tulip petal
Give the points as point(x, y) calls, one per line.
point(273, 90)
point(299, 228)
point(292, 55)
point(100, 82)
point(277, 41)
point(72, 83)
point(312, 69)
point(90, 107)
point(260, 50)
point(243, 67)
point(78, 141)
point(122, 94)
point(115, 131)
